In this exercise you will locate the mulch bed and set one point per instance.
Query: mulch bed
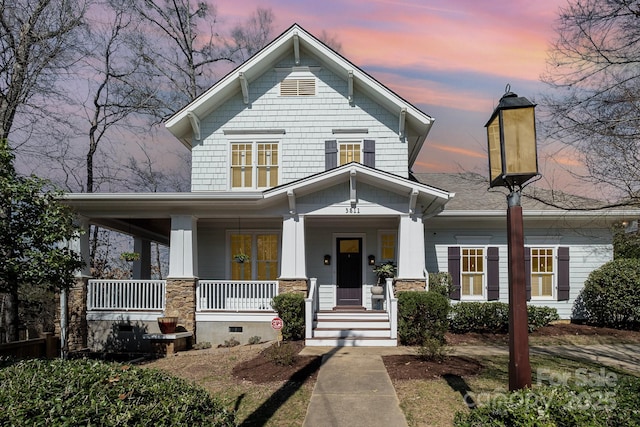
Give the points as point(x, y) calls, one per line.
point(261, 369)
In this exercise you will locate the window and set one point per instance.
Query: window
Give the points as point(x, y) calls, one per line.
point(254, 164)
point(349, 152)
point(261, 248)
point(542, 272)
point(387, 246)
point(472, 272)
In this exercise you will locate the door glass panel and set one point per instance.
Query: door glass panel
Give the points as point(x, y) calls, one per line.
point(349, 246)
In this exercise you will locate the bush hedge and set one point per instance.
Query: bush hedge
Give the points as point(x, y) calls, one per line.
point(493, 317)
point(611, 295)
point(566, 405)
point(422, 316)
point(290, 308)
point(83, 392)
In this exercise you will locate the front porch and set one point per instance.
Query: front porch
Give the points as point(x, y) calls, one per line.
point(121, 312)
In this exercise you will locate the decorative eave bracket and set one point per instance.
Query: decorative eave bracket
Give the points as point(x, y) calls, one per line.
point(245, 88)
point(403, 118)
point(296, 48)
point(350, 80)
point(353, 196)
point(195, 125)
point(413, 198)
point(292, 201)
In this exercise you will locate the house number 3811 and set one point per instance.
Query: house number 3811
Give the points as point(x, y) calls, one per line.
point(352, 210)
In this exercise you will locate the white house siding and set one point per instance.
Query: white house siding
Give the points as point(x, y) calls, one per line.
point(308, 122)
point(588, 250)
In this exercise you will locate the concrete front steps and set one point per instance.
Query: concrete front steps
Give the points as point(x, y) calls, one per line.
point(351, 328)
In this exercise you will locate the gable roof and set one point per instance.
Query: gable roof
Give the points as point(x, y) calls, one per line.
point(293, 40)
point(430, 198)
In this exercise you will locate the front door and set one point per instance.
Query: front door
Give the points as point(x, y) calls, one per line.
point(349, 271)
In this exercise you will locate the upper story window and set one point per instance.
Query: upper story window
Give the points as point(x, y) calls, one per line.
point(542, 273)
point(473, 272)
point(341, 152)
point(350, 151)
point(254, 164)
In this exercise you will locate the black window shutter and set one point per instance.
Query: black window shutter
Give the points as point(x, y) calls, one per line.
point(493, 274)
point(369, 153)
point(454, 271)
point(330, 154)
point(563, 273)
point(527, 271)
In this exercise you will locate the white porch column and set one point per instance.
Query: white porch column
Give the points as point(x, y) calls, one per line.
point(142, 266)
point(411, 247)
point(293, 248)
point(183, 252)
point(80, 244)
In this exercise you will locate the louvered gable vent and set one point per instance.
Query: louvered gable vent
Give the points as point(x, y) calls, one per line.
point(298, 87)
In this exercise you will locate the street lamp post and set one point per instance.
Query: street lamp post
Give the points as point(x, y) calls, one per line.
point(513, 162)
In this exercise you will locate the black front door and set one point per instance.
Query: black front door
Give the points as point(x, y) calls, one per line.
point(349, 271)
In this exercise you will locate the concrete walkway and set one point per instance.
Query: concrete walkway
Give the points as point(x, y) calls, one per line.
point(354, 390)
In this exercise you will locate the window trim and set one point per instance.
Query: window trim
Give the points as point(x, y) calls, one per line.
point(482, 297)
point(253, 232)
point(554, 280)
point(254, 141)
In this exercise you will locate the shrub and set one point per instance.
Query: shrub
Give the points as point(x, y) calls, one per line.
point(281, 355)
point(290, 308)
point(432, 349)
point(540, 316)
point(493, 317)
point(611, 295)
point(255, 340)
point(572, 405)
point(421, 316)
point(83, 392)
point(483, 317)
point(441, 283)
point(231, 342)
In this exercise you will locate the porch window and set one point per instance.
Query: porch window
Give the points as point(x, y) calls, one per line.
point(254, 164)
point(387, 246)
point(472, 272)
point(262, 251)
point(542, 272)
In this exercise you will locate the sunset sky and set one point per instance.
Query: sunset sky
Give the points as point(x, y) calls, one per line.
point(450, 58)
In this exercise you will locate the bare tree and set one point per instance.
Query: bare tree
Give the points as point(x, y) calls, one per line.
point(37, 46)
point(118, 82)
point(594, 68)
point(252, 35)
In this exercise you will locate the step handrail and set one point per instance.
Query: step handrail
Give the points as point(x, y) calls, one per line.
point(392, 307)
point(311, 304)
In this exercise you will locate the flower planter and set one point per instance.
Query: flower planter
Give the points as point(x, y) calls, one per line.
point(377, 289)
point(167, 324)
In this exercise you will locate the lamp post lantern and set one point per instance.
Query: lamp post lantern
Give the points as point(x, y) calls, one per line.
point(513, 162)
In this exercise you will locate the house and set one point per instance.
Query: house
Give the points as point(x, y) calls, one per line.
point(301, 182)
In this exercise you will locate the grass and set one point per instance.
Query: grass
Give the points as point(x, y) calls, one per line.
point(435, 402)
point(432, 402)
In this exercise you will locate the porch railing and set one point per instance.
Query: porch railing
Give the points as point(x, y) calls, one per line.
point(312, 304)
point(236, 295)
point(125, 295)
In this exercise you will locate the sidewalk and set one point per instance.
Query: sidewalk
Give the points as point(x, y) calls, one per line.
point(354, 390)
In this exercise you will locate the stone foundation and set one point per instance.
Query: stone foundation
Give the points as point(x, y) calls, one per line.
point(298, 286)
point(402, 285)
point(180, 299)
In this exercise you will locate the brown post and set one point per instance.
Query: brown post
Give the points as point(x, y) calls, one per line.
point(519, 365)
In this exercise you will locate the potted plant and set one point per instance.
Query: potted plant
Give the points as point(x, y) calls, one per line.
point(241, 257)
point(130, 256)
point(383, 271)
point(167, 324)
